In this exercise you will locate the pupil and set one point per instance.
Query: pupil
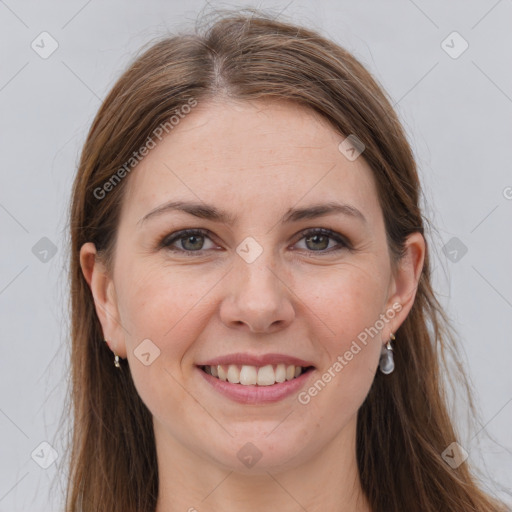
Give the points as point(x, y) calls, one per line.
point(193, 237)
point(316, 237)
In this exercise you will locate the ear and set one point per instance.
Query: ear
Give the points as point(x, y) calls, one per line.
point(104, 294)
point(404, 282)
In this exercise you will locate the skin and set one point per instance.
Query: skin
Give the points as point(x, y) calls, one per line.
point(299, 297)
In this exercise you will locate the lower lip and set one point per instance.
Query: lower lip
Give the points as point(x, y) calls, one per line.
point(257, 394)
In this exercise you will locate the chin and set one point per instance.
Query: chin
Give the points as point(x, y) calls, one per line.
point(258, 452)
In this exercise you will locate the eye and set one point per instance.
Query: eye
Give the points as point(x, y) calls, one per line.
point(318, 240)
point(193, 240)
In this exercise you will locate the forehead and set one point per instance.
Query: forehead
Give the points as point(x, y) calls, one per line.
point(261, 156)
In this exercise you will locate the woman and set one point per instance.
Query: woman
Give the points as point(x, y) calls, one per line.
point(247, 244)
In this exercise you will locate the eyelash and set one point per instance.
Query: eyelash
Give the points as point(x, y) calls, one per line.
point(168, 240)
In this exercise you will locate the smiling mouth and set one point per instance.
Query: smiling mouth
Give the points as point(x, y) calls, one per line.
point(247, 375)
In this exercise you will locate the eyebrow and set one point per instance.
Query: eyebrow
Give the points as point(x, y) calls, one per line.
point(210, 212)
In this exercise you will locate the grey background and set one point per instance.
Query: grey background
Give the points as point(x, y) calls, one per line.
point(457, 113)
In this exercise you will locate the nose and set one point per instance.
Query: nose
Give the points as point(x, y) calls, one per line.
point(258, 297)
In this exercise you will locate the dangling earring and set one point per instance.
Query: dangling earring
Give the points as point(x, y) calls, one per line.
point(387, 361)
point(116, 358)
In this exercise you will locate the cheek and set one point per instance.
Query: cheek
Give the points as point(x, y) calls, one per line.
point(349, 303)
point(157, 303)
point(162, 304)
point(348, 300)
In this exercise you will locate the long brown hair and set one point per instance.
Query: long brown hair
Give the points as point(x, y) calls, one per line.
point(403, 426)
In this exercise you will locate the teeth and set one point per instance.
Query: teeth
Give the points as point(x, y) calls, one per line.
point(266, 376)
point(221, 372)
point(251, 375)
point(280, 373)
point(233, 374)
point(248, 375)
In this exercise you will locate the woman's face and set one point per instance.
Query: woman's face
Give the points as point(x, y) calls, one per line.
point(273, 277)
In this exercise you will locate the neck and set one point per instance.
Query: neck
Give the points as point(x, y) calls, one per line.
point(326, 481)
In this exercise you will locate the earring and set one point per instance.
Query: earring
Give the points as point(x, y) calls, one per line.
point(116, 358)
point(387, 361)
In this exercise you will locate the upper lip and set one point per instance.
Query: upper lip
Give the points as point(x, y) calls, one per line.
point(255, 360)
